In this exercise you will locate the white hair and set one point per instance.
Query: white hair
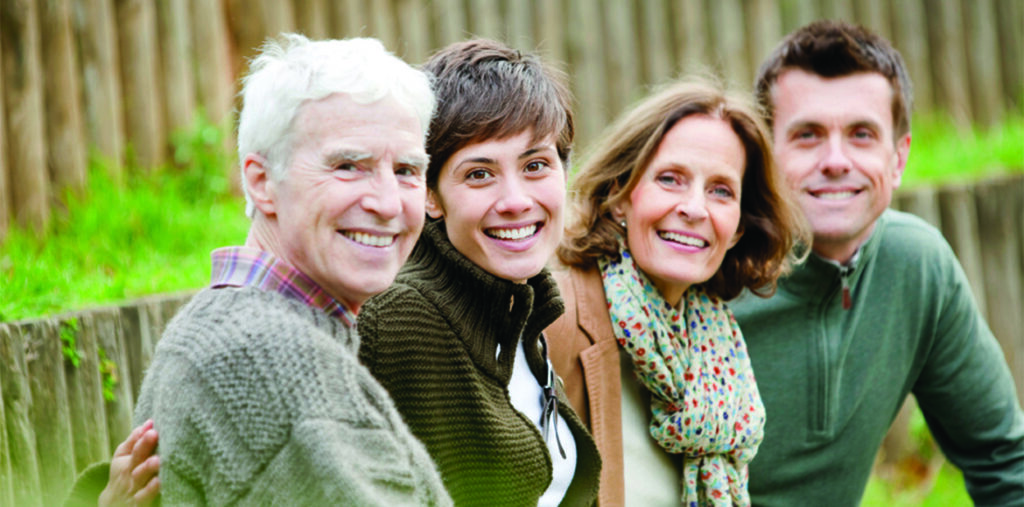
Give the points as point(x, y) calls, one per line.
point(293, 69)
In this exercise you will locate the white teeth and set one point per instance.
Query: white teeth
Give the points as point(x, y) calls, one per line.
point(686, 240)
point(834, 196)
point(370, 239)
point(513, 234)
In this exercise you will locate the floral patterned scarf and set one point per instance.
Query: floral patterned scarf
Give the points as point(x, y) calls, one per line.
point(704, 401)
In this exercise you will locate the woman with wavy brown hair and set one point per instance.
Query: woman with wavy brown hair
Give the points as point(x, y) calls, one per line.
point(678, 210)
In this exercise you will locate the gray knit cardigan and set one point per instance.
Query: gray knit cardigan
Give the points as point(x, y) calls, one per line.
point(260, 399)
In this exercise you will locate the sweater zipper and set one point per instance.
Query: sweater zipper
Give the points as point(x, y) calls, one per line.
point(844, 282)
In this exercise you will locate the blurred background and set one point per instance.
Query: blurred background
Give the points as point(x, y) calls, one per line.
point(118, 172)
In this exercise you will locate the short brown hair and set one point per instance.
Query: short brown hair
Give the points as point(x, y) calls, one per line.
point(487, 90)
point(835, 49)
point(770, 219)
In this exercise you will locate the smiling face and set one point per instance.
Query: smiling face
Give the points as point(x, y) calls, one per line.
point(502, 202)
point(349, 207)
point(834, 141)
point(684, 213)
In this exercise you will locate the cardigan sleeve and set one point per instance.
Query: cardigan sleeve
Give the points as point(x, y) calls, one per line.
point(968, 399)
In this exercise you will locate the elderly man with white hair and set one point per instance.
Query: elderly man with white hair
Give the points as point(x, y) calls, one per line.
point(255, 386)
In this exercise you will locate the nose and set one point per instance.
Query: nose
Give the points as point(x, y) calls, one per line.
point(835, 162)
point(514, 199)
point(694, 205)
point(382, 196)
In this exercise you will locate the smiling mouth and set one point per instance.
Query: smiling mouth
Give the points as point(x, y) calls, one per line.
point(374, 240)
point(682, 239)
point(830, 195)
point(512, 234)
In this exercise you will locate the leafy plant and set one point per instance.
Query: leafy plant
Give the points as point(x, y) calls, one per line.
point(68, 334)
point(108, 375)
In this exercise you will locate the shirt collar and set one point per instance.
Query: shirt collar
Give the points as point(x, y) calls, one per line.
point(239, 266)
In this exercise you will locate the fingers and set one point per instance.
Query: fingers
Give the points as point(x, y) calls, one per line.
point(144, 446)
point(146, 473)
point(124, 448)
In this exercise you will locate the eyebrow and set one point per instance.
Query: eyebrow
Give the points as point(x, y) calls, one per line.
point(526, 154)
point(351, 155)
point(419, 161)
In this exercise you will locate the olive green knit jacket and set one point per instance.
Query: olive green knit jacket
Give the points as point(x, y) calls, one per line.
point(432, 340)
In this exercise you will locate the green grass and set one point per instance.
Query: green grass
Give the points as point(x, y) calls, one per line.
point(150, 234)
point(942, 153)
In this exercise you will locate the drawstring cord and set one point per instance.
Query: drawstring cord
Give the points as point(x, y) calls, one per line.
point(549, 400)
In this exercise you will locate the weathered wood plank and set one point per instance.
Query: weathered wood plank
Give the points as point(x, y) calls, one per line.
point(551, 31)
point(6, 198)
point(959, 226)
point(6, 474)
point(51, 417)
point(621, 67)
point(85, 400)
point(983, 72)
point(22, 75)
point(65, 128)
point(312, 18)
point(141, 81)
point(101, 79)
point(923, 202)
point(945, 40)
point(731, 57)
point(691, 35)
point(116, 385)
point(764, 22)
point(910, 39)
point(414, 44)
point(656, 48)
point(1001, 266)
point(1009, 20)
point(177, 56)
point(17, 401)
point(586, 58)
point(215, 72)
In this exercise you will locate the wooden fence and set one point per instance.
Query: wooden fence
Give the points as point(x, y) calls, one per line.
point(68, 383)
point(114, 77)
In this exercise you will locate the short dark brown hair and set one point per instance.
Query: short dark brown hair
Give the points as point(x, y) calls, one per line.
point(770, 218)
point(836, 49)
point(487, 90)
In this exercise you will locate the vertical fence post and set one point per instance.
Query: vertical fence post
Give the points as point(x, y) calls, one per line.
point(51, 417)
point(765, 27)
point(117, 388)
point(1009, 19)
point(414, 45)
point(484, 18)
point(621, 62)
point(214, 70)
point(551, 32)
point(585, 60)
point(731, 57)
point(140, 79)
point(311, 18)
point(66, 151)
point(690, 34)
point(1002, 267)
point(910, 31)
point(959, 226)
point(6, 473)
point(85, 400)
point(6, 197)
point(945, 40)
point(657, 50)
point(177, 57)
point(17, 401)
point(101, 79)
point(22, 75)
point(983, 71)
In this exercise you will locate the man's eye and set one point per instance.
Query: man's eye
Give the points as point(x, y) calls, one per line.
point(345, 166)
point(407, 171)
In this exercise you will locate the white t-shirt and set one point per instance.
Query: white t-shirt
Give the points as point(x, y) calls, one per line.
point(653, 477)
point(527, 397)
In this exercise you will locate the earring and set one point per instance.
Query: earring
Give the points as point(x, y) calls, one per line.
point(623, 224)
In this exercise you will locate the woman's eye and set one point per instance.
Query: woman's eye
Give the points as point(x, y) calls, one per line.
point(536, 166)
point(477, 175)
point(668, 179)
point(722, 191)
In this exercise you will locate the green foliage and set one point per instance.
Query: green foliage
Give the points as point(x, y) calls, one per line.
point(150, 234)
point(108, 375)
point(68, 334)
point(942, 153)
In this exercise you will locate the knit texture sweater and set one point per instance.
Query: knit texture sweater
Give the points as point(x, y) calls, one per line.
point(260, 400)
point(433, 341)
point(833, 379)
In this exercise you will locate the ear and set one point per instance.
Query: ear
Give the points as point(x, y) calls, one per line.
point(257, 180)
point(435, 208)
point(902, 152)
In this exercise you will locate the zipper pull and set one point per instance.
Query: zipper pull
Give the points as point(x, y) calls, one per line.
point(844, 280)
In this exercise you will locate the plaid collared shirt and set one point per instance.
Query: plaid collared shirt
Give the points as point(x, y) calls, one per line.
point(239, 266)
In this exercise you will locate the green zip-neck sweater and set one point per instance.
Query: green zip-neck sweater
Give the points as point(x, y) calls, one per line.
point(432, 340)
point(833, 379)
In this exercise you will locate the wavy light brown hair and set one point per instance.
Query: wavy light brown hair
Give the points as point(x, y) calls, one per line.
point(836, 49)
point(770, 218)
